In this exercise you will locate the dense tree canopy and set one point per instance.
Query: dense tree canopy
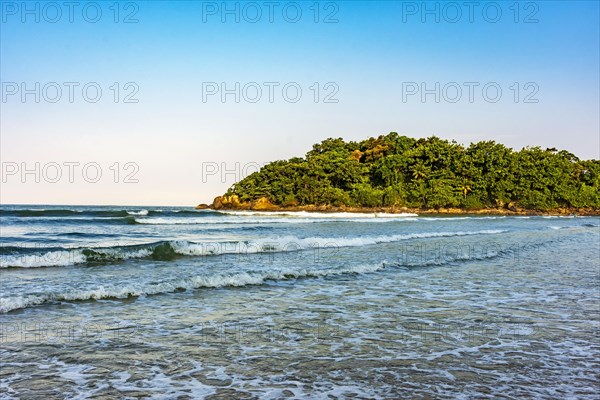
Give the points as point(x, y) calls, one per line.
point(394, 170)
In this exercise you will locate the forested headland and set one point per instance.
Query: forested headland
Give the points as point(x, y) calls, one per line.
point(394, 172)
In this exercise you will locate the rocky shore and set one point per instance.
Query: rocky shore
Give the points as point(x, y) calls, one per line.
point(263, 204)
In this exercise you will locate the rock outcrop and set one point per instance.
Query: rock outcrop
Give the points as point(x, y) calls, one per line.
point(231, 202)
point(263, 204)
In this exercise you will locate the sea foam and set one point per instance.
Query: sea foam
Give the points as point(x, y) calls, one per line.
point(164, 251)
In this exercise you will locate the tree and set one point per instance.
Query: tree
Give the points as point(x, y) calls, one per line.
point(393, 170)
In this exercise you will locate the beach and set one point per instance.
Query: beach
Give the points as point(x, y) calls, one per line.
point(153, 302)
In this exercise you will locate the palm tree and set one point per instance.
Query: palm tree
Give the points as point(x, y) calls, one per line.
point(420, 170)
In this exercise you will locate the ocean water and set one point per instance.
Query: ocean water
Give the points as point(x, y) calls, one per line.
point(174, 303)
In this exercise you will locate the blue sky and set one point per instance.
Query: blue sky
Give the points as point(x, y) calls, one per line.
point(368, 57)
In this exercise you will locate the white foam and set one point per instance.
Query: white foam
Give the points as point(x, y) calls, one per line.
point(261, 220)
point(292, 243)
point(324, 215)
point(64, 258)
point(260, 245)
point(61, 258)
point(163, 385)
point(141, 212)
point(201, 281)
point(173, 221)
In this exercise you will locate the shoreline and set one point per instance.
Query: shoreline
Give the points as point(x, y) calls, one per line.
point(232, 203)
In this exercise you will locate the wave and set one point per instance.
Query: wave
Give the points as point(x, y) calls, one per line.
point(591, 226)
point(65, 213)
point(169, 250)
point(141, 212)
point(238, 279)
point(76, 220)
point(311, 214)
point(180, 221)
point(70, 257)
point(86, 235)
point(240, 221)
point(454, 217)
point(216, 281)
point(62, 213)
point(264, 220)
point(557, 227)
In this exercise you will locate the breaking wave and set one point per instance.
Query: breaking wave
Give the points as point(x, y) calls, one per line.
point(236, 279)
point(168, 250)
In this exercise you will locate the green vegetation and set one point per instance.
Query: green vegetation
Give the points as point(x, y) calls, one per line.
point(396, 170)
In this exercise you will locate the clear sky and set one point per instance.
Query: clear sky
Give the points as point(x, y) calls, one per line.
point(375, 66)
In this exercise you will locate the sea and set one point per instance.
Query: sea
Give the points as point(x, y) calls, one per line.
point(121, 302)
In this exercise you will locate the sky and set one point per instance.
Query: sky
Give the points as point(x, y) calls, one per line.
point(170, 103)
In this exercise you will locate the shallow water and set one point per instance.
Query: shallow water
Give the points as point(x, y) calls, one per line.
point(101, 302)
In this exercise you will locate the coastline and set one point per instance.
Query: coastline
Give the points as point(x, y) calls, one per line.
point(233, 203)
